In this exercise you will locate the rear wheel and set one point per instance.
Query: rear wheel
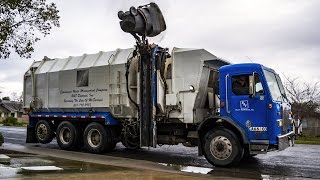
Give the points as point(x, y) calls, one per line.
point(44, 131)
point(130, 137)
point(222, 147)
point(97, 139)
point(67, 136)
point(129, 145)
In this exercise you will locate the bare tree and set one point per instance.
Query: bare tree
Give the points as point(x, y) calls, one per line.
point(20, 98)
point(14, 96)
point(305, 97)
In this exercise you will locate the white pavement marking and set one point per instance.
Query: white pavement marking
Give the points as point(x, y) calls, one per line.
point(4, 158)
point(42, 168)
point(13, 138)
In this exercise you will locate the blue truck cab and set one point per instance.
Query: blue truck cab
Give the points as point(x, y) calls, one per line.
point(253, 97)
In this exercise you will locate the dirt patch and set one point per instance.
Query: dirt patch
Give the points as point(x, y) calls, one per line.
point(124, 174)
point(8, 152)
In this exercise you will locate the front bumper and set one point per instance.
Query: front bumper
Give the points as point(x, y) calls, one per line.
point(284, 140)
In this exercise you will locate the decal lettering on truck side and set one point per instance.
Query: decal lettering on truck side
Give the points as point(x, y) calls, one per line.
point(257, 129)
point(244, 106)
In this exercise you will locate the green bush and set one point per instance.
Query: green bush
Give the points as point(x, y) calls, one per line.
point(1, 139)
point(20, 124)
point(10, 121)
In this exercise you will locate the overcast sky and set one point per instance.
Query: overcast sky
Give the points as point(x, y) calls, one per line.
point(283, 35)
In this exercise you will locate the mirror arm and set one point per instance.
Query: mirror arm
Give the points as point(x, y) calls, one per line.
point(252, 85)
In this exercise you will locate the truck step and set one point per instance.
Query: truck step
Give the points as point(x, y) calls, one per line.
point(258, 148)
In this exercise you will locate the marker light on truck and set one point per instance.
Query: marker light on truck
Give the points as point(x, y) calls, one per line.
point(222, 104)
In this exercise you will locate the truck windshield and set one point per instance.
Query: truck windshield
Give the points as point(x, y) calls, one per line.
point(282, 91)
point(275, 86)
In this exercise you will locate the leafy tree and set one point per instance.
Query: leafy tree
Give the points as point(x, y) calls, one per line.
point(20, 23)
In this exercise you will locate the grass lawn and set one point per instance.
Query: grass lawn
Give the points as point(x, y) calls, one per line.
point(307, 140)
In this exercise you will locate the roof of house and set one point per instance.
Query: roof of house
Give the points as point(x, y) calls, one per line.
point(11, 106)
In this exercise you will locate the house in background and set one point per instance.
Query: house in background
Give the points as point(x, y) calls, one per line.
point(10, 109)
point(311, 126)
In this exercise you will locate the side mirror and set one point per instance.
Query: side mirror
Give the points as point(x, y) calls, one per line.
point(252, 91)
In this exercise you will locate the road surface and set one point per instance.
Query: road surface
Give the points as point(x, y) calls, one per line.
point(300, 161)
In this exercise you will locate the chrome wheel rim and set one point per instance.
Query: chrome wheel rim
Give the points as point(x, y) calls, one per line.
point(65, 135)
point(94, 138)
point(221, 147)
point(42, 131)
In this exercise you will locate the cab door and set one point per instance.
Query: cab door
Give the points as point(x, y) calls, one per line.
point(249, 111)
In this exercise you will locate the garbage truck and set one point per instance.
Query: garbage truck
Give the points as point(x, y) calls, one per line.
point(147, 96)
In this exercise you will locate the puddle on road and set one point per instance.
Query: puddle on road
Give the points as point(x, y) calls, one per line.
point(77, 170)
point(228, 173)
point(192, 169)
point(8, 172)
point(18, 162)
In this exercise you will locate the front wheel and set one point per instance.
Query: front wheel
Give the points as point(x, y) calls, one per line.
point(222, 147)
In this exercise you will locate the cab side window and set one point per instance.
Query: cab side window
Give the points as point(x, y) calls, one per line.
point(240, 85)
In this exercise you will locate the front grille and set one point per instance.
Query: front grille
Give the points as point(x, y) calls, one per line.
point(286, 121)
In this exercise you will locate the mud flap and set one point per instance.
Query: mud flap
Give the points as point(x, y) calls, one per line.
point(31, 136)
point(200, 149)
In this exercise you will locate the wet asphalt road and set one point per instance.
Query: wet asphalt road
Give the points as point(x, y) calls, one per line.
point(298, 162)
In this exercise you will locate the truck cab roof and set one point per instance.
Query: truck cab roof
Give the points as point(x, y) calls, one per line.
point(244, 67)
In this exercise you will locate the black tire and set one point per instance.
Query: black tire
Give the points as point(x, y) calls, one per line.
point(97, 139)
point(131, 143)
point(222, 147)
point(67, 136)
point(112, 146)
point(44, 131)
point(115, 137)
point(130, 146)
